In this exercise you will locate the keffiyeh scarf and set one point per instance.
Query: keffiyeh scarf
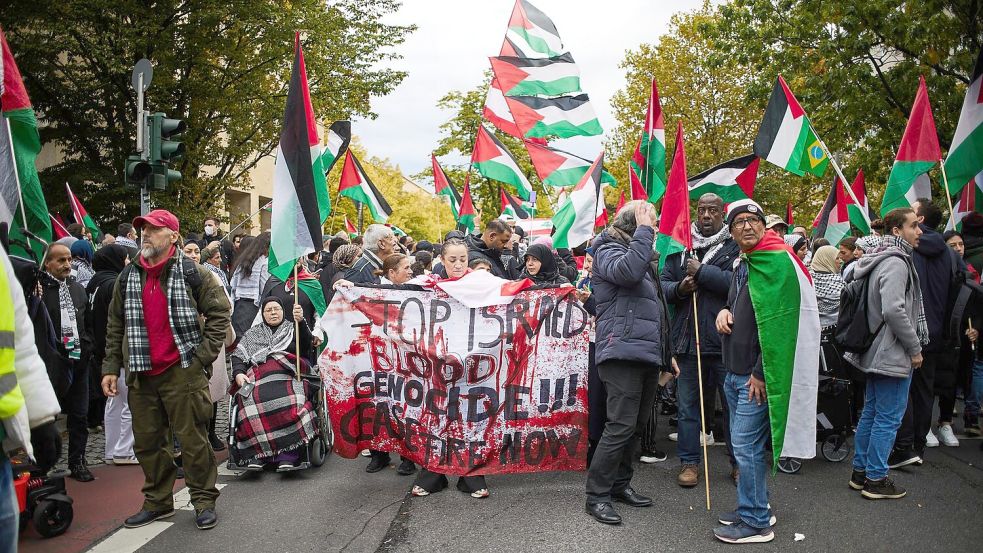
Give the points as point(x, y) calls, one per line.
point(828, 287)
point(711, 243)
point(262, 341)
point(70, 338)
point(891, 241)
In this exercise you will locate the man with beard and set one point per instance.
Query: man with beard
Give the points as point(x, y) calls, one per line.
point(705, 278)
point(155, 330)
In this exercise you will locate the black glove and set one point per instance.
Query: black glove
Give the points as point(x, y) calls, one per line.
point(47, 445)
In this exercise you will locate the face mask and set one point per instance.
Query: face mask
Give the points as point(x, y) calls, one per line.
point(209, 230)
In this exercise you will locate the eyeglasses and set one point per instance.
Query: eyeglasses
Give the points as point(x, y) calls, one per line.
point(745, 222)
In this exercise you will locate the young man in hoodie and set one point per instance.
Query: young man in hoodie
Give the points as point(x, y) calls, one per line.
point(933, 261)
point(897, 313)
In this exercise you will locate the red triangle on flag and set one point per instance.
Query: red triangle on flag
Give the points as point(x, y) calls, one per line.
point(921, 140)
point(467, 206)
point(622, 201)
point(793, 104)
point(675, 220)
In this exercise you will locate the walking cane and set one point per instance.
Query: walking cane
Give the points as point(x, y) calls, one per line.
point(699, 385)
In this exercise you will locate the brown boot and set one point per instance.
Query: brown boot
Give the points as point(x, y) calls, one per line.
point(689, 476)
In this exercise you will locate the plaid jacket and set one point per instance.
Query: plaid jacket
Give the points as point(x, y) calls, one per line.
point(211, 302)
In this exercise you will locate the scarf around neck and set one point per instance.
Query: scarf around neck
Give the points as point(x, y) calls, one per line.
point(262, 340)
point(892, 242)
point(712, 244)
point(70, 338)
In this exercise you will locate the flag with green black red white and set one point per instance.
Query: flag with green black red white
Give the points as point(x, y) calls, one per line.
point(442, 187)
point(732, 180)
point(647, 166)
point(674, 222)
point(560, 117)
point(531, 34)
point(917, 155)
point(554, 76)
point(970, 200)
point(559, 168)
point(295, 227)
point(339, 135)
point(465, 220)
point(574, 221)
point(494, 161)
point(355, 185)
point(786, 137)
point(965, 158)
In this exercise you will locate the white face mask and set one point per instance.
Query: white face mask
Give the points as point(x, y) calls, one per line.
point(209, 230)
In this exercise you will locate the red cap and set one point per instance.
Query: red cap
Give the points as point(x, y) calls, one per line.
point(158, 218)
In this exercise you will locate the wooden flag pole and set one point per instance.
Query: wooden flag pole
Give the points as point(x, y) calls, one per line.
point(296, 322)
point(945, 183)
point(699, 385)
point(839, 173)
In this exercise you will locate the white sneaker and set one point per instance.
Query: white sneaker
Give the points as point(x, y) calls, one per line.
point(947, 436)
point(931, 440)
point(674, 437)
point(125, 461)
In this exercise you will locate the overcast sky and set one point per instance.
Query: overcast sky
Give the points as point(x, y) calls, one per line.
point(450, 49)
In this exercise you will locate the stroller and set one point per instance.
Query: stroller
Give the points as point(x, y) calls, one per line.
point(315, 451)
point(833, 406)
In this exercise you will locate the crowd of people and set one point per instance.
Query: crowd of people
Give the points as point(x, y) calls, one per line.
point(193, 317)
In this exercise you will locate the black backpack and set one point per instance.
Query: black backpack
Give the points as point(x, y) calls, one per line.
point(853, 334)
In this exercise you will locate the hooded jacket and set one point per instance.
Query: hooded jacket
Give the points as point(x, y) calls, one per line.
point(632, 317)
point(478, 250)
point(891, 301)
point(108, 263)
point(934, 267)
point(549, 273)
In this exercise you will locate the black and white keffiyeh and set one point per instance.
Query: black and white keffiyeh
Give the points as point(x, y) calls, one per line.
point(711, 243)
point(182, 315)
point(70, 338)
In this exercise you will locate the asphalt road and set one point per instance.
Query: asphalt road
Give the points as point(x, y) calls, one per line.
point(339, 507)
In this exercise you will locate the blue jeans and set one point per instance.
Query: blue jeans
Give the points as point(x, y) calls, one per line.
point(688, 402)
point(887, 398)
point(9, 509)
point(975, 395)
point(749, 431)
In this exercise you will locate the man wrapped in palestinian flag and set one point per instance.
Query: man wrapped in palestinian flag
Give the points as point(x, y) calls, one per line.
point(770, 330)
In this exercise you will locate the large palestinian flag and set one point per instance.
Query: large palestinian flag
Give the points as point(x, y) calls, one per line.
point(965, 158)
point(785, 308)
point(674, 222)
point(732, 180)
point(82, 216)
point(554, 76)
point(295, 226)
point(560, 117)
point(531, 34)
point(20, 145)
point(355, 184)
point(559, 168)
point(647, 166)
point(465, 220)
point(786, 138)
point(969, 200)
point(493, 161)
point(442, 186)
point(512, 205)
point(918, 153)
point(833, 220)
point(339, 136)
point(574, 221)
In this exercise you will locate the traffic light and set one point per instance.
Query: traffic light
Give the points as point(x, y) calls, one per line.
point(163, 150)
point(137, 170)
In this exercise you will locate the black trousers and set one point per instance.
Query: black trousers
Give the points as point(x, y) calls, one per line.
point(921, 400)
point(75, 404)
point(434, 482)
point(631, 388)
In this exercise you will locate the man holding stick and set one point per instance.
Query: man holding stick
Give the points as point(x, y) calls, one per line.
point(707, 274)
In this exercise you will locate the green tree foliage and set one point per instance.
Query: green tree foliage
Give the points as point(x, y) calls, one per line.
point(223, 67)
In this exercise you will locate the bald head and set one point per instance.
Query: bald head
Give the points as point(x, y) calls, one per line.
point(710, 214)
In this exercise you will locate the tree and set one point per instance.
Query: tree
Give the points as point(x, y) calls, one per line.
point(223, 67)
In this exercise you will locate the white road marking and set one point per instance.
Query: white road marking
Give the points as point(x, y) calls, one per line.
point(128, 540)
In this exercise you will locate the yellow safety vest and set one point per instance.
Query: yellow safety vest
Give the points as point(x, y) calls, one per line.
point(11, 397)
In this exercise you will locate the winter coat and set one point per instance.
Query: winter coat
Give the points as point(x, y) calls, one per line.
point(502, 268)
point(891, 301)
point(933, 261)
point(713, 283)
point(363, 271)
point(632, 317)
point(49, 295)
point(549, 272)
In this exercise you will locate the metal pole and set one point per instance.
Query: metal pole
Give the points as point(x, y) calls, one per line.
point(140, 113)
point(249, 217)
point(360, 218)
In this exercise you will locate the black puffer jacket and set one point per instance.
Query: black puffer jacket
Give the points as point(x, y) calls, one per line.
point(49, 295)
point(478, 250)
point(632, 316)
point(713, 282)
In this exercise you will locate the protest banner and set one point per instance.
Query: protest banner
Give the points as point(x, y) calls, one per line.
point(461, 391)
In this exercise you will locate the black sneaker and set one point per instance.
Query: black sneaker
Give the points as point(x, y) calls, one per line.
point(217, 443)
point(405, 468)
point(205, 519)
point(884, 488)
point(81, 473)
point(144, 518)
point(857, 480)
point(378, 463)
point(902, 458)
point(651, 457)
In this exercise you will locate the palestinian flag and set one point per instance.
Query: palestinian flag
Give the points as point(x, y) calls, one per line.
point(732, 180)
point(574, 221)
point(442, 187)
point(788, 214)
point(969, 200)
point(311, 287)
point(295, 226)
point(675, 233)
point(531, 34)
point(81, 215)
point(833, 220)
point(512, 205)
point(621, 202)
point(396, 230)
point(784, 303)
point(560, 117)
point(559, 168)
point(554, 76)
point(496, 110)
point(647, 166)
point(350, 228)
point(602, 219)
point(339, 136)
point(314, 143)
point(918, 153)
point(465, 220)
point(535, 227)
point(965, 158)
point(20, 144)
point(355, 184)
point(58, 230)
point(860, 215)
point(493, 161)
point(786, 137)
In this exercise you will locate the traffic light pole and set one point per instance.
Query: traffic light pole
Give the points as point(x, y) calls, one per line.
point(144, 191)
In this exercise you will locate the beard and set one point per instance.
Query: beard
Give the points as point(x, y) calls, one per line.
point(153, 252)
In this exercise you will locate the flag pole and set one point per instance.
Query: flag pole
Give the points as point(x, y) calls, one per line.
point(945, 183)
point(337, 199)
point(296, 322)
point(248, 218)
point(699, 385)
point(20, 196)
point(839, 173)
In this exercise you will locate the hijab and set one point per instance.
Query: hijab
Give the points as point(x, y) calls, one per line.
point(82, 249)
point(110, 258)
point(262, 340)
point(548, 273)
point(824, 260)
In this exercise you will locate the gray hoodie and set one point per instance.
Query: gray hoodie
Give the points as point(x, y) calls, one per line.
point(891, 300)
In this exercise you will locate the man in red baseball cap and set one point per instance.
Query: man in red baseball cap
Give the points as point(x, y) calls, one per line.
point(155, 331)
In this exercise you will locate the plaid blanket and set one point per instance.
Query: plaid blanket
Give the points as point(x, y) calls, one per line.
point(277, 416)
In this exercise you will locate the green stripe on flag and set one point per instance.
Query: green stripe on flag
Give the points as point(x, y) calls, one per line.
point(729, 193)
point(899, 183)
point(666, 246)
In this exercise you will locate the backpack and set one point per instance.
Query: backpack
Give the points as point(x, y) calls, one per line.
point(189, 268)
point(853, 334)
